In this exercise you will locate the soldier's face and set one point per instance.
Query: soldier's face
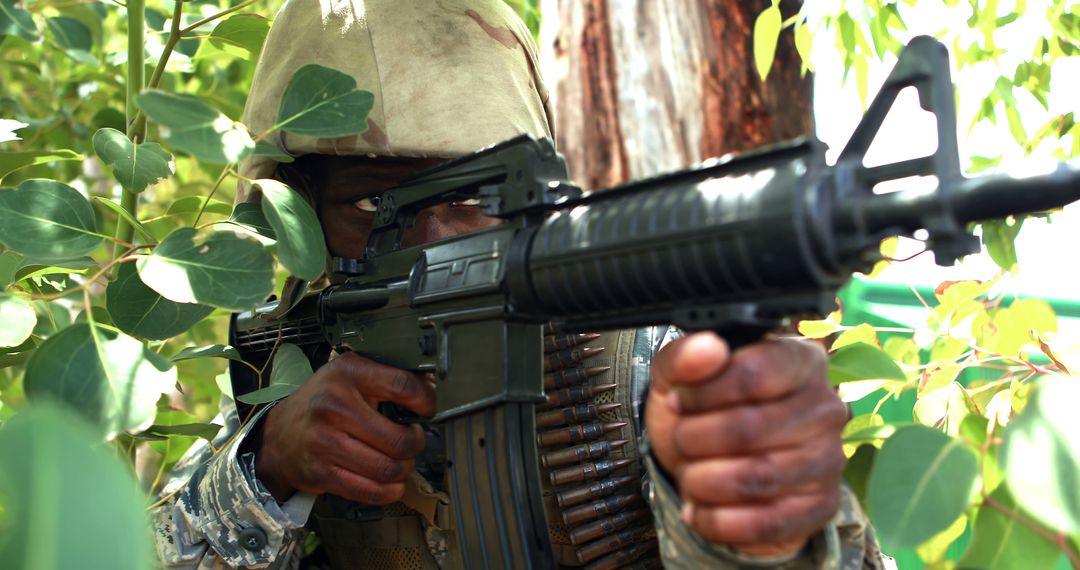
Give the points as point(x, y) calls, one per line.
point(349, 194)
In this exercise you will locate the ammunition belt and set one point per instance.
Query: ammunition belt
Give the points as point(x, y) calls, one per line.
point(597, 516)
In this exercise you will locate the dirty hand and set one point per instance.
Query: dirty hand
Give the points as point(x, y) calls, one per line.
point(328, 437)
point(751, 439)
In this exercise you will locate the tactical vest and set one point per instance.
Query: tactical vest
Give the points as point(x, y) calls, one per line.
point(588, 444)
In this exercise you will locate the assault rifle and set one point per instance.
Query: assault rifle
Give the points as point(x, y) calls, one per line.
point(736, 245)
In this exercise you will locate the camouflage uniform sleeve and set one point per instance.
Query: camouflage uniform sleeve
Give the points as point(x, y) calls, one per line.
point(217, 515)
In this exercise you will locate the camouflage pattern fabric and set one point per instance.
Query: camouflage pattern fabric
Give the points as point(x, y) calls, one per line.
point(478, 54)
point(214, 512)
point(213, 498)
point(216, 505)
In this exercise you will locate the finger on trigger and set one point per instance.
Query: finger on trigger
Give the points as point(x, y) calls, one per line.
point(388, 384)
point(760, 372)
point(399, 441)
point(358, 457)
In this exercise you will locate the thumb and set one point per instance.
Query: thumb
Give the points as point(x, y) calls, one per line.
point(690, 360)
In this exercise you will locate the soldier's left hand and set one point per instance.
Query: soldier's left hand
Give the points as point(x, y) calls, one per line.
point(752, 439)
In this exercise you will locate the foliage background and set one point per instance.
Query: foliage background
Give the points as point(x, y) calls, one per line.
point(66, 76)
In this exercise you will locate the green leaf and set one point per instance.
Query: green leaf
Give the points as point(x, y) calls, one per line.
point(224, 383)
point(73, 37)
point(244, 31)
point(934, 549)
point(204, 431)
point(998, 237)
point(922, 481)
point(973, 430)
point(134, 166)
point(220, 269)
point(804, 43)
point(862, 78)
point(193, 204)
point(944, 408)
point(126, 215)
point(947, 348)
point(110, 378)
point(268, 149)
point(17, 320)
point(17, 22)
point(212, 351)
point(249, 216)
point(1040, 455)
point(65, 501)
point(290, 370)
point(301, 245)
point(857, 471)
point(323, 102)
point(197, 128)
point(766, 35)
point(822, 328)
point(903, 350)
point(875, 432)
point(938, 376)
point(29, 269)
point(52, 318)
point(141, 312)
point(1016, 126)
point(12, 161)
point(1036, 315)
point(860, 361)
point(108, 118)
point(857, 425)
point(999, 540)
point(858, 389)
point(862, 333)
point(981, 163)
point(845, 30)
point(9, 264)
point(70, 33)
point(1013, 328)
point(47, 220)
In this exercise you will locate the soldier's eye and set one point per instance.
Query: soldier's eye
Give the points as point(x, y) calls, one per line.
point(368, 204)
point(470, 202)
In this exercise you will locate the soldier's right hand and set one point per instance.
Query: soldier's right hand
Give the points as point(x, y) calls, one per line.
point(327, 437)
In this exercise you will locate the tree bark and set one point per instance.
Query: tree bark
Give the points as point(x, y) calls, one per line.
point(647, 86)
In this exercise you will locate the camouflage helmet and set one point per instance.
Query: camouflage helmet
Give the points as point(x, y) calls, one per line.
point(449, 76)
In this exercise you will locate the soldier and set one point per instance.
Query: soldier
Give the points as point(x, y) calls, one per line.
point(746, 459)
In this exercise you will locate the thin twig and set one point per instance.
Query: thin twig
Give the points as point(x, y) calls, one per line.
point(83, 286)
point(213, 17)
point(138, 129)
point(908, 258)
point(217, 184)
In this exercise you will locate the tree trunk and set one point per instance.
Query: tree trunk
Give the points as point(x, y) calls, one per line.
point(647, 86)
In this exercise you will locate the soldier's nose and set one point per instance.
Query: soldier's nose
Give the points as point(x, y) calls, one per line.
point(432, 224)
